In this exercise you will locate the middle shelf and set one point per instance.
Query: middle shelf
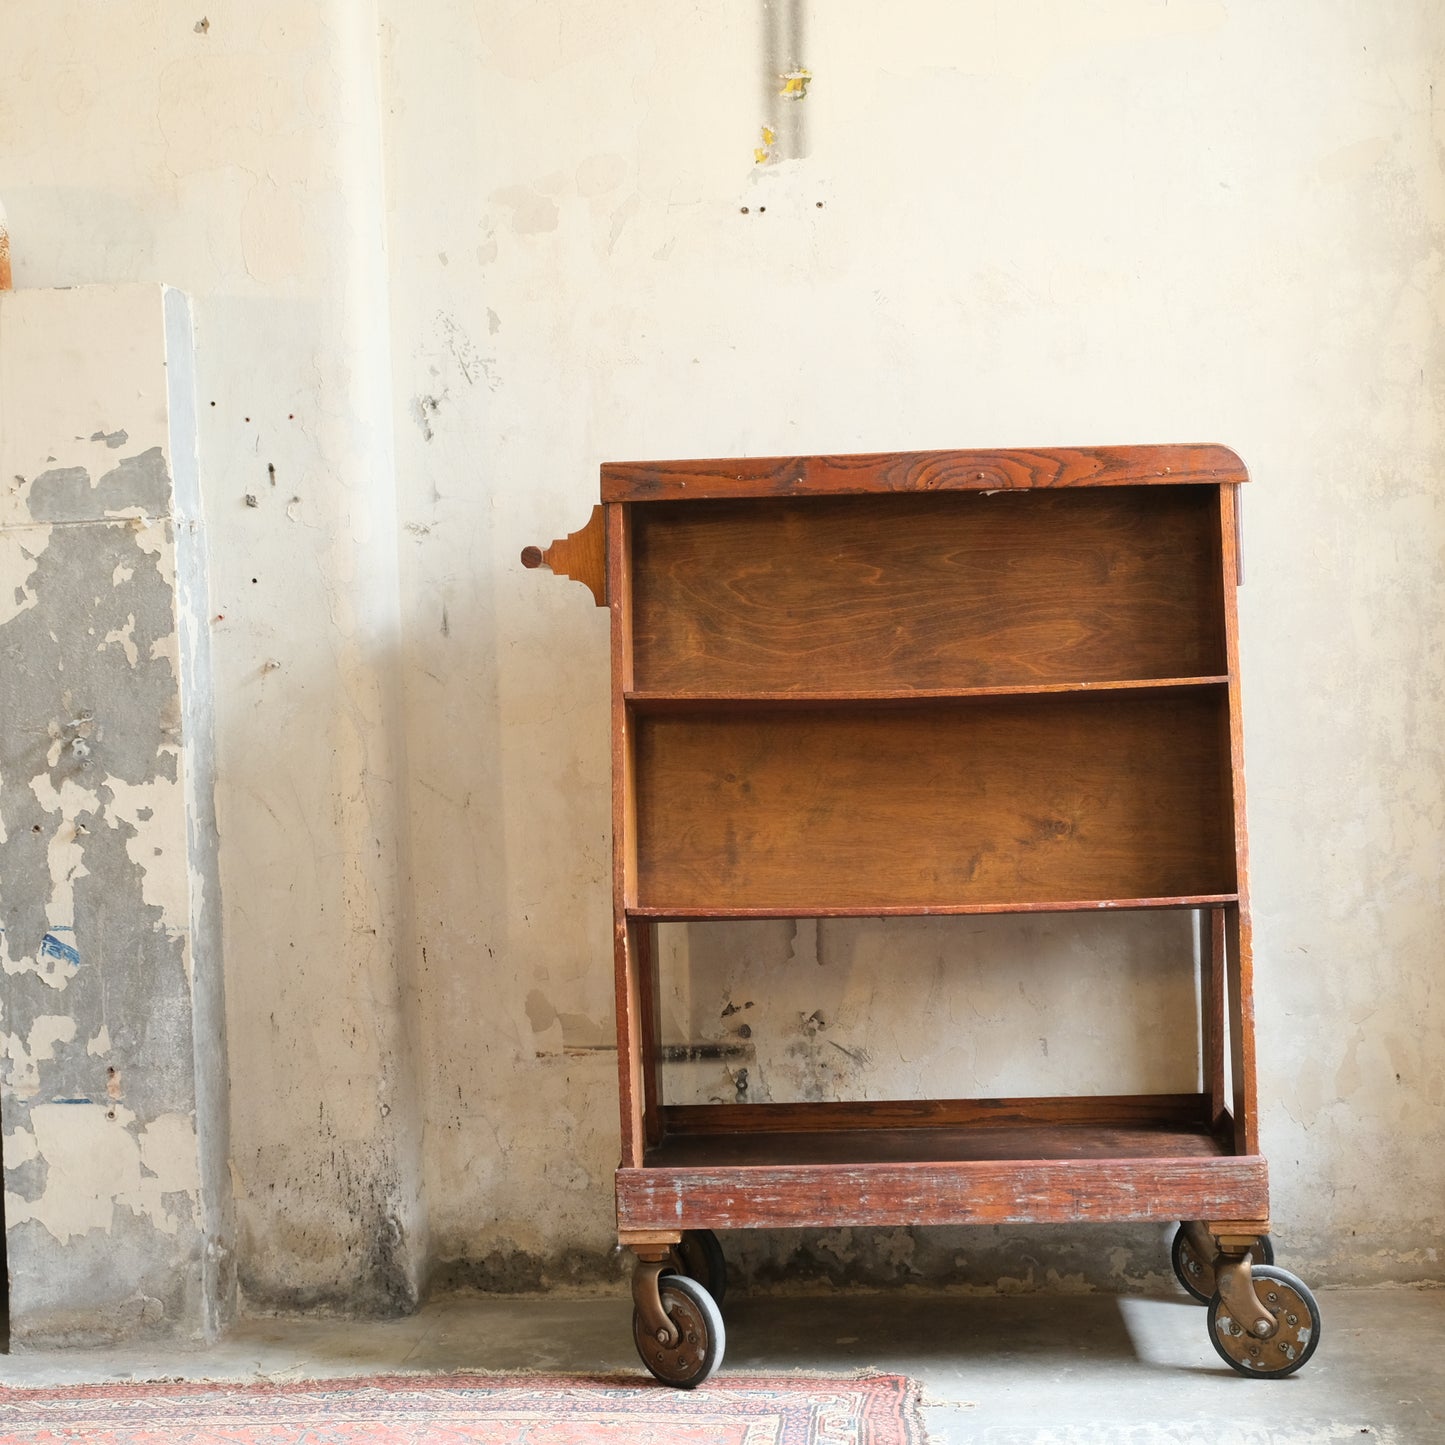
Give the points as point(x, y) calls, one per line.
point(995, 802)
point(656, 701)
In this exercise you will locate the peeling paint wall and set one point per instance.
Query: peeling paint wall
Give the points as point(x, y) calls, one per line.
point(441, 274)
point(113, 1094)
point(240, 162)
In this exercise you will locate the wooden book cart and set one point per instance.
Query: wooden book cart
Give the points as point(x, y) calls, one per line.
point(931, 683)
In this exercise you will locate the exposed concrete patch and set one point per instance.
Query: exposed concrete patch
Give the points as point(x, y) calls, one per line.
point(98, 1162)
point(139, 486)
point(110, 1229)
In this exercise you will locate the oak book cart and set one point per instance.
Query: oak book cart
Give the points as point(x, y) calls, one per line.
point(932, 683)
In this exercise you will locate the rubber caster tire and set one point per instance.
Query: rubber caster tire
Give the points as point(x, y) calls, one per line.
point(701, 1341)
point(1196, 1274)
point(703, 1260)
point(1288, 1299)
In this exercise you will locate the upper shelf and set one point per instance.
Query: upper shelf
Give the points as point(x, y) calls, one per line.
point(921, 593)
point(976, 471)
point(664, 701)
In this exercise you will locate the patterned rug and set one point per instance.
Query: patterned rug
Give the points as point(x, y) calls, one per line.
point(473, 1410)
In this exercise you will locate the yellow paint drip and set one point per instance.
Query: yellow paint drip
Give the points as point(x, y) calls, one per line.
point(795, 84)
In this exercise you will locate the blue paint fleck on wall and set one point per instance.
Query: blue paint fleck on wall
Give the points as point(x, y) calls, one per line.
point(52, 947)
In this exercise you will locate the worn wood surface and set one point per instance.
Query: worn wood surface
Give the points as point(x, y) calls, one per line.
point(853, 703)
point(628, 980)
point(1138, 1111)
point(1239, 941)
point(934, 1191)
point(920, 472)
point(659, 702)
point(857, 594)
point(821, 1145)
point(581, 555)
point(649, 1028)
point(1214, 1015)
point(995, 801)
point(932, 910)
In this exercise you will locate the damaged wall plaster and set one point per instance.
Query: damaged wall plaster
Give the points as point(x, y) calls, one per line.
point(113, 1090)
point(240, 162)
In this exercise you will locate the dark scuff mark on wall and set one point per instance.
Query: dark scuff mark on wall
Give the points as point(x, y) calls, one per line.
point(506, 1270)
point(377, 1280)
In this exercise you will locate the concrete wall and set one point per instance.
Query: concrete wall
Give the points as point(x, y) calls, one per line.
point(448, 257)
point(113, 1082)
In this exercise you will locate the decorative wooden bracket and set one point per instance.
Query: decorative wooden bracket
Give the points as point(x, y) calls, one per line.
point(581, 556)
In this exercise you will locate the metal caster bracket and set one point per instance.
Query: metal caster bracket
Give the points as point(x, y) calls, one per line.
point(1236, 1288)
point(652, 1260)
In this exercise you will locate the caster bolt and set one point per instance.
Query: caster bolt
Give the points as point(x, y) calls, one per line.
point(662, 1336)
point(1262, 1327)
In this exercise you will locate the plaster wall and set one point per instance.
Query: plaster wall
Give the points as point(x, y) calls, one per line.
point(235, 153)
point(992, 225)
point(447, 257)
point(113, 1085)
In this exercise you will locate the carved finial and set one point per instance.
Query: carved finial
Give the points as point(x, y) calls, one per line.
point(581, 556)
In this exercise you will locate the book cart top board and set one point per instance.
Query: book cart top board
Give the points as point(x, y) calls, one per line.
point(930, 683)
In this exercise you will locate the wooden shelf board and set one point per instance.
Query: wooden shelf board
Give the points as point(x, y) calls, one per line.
point(1053, 1174)
point(1005, 801)
point(926, 591)
point(663, 914)
point(663, 700)
point(1180, 1111)
point(920, 472)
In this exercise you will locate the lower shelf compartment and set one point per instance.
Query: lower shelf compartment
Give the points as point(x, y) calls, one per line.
point(974, 1162)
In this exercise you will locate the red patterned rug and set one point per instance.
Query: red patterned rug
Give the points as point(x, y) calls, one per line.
point(473, 1410)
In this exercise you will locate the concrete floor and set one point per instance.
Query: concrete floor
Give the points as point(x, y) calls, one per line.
point(1077, 1370)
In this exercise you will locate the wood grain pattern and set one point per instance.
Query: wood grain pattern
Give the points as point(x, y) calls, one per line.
point(993, 801)
point(931, 910)
point(628, 980)
point(581, 555)
point(658, 702)
point(649, 1028)
point(927, 592)
point(828, 700)
point(1213, 1015)
point(1239, 941)
point(920, 472)
point(934, 1190)
point(970, 1142)
point(1180, 1111)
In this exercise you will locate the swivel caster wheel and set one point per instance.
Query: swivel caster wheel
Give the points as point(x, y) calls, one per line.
point(702, 1259)
point(698, 1350)
point(1297, 1326)
point(1194, 1262)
